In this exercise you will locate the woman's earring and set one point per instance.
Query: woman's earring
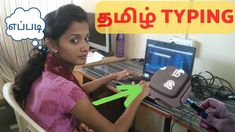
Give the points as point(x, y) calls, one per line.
point(55, 51)
point(46, 41)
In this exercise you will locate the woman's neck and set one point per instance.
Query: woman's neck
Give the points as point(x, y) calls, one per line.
point(64, 64)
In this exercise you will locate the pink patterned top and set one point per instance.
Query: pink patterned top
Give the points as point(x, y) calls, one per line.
point(50, 100)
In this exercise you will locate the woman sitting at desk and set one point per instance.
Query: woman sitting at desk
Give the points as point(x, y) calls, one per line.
point(47, 89)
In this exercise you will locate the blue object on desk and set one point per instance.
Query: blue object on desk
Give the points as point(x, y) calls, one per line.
point(199, 110)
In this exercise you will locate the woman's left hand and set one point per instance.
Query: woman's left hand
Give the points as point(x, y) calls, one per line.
point(84, 128)
point(120, 75)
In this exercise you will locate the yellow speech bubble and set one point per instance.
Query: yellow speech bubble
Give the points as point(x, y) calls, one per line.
point(138, 17)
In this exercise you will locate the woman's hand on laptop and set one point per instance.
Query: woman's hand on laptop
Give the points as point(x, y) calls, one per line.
point(145, 88)
point(121, 75)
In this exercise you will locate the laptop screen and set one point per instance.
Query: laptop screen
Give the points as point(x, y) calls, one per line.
point(159, 54)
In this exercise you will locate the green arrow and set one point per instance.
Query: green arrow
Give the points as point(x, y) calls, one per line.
point(132, 91)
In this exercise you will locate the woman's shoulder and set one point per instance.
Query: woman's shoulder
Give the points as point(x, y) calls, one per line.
point(67, 92)
point(58, 82)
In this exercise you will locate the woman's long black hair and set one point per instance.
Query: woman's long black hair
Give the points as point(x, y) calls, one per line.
point(57, 22)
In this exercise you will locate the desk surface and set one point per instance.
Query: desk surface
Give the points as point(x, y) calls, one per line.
point(184, 114)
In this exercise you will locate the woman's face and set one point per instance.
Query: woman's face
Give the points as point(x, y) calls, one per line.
point(73, 44)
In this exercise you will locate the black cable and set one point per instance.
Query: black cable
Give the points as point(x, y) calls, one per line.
point(229, 84)
point(211, 79)
point(172, 125)
point(209, 82)
point(205, 84)
point(224, 89)
point(200, 85)
point(230, 88)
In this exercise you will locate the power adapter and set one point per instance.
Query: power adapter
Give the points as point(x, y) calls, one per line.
point(225, 95)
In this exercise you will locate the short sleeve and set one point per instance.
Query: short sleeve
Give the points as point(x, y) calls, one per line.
point(72, 94)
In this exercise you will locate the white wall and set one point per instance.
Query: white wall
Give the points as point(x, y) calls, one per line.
point(216, 54)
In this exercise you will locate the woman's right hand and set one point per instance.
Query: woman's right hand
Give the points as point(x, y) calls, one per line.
point(145, 88)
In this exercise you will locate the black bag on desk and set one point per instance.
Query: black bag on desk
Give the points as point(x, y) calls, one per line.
point(170, 86)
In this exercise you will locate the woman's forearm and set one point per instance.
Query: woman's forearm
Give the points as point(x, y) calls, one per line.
point(124, 122)
point(93, 85)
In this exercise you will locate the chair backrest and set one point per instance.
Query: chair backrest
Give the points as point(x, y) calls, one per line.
point(25, 123)
point(1, 96)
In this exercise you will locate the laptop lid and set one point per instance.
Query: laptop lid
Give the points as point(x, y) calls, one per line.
point(159, 54)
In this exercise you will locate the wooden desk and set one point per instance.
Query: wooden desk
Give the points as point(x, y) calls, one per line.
point(81, 76)
point(183, 115)
point(168, 114)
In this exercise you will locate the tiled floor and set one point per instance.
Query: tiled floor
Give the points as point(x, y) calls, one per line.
point(7, 119)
